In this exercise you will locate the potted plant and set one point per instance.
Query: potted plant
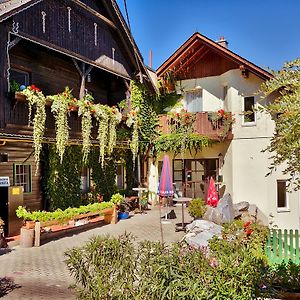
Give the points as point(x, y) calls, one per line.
point(22, 213)
point(124, 208)
point(3, 243)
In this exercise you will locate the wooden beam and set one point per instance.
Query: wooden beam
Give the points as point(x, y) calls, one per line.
point(179, 57)
point(190, 59)
point(95, 13)
point(202, 55)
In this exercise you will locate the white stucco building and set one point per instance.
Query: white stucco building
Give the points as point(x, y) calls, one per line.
point(210, 77)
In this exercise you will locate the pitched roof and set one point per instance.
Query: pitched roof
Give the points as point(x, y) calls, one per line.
point(183, 51)
point(11, 7)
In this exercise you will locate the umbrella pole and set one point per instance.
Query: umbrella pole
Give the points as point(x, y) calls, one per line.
point(161, 229)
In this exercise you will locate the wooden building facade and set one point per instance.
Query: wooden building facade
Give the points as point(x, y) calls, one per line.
point(85, 45)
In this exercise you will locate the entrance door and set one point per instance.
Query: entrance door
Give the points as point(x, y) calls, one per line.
point(194, 174)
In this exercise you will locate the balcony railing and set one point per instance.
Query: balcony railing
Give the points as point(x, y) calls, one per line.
point(202, 125)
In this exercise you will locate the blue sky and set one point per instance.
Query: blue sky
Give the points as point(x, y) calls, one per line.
point(266, 32)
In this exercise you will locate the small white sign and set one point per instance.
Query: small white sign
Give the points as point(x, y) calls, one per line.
point(4, 181)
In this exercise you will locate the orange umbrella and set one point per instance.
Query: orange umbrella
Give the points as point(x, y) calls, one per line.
point(212, 194)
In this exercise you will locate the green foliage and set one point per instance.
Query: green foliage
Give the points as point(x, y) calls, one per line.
point(117, 268)
point(59, 108)
point(284, 277)
point(197, 208)
point(164, 102)
point(14, 86)
point(285, 146)
point(61, 215)
point(86, 124)
point(180, 142)
point(116, 198)
point(103, 176)
point(37, 99)
point(63, 183)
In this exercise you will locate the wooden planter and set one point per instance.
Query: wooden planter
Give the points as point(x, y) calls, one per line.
point(290, 296)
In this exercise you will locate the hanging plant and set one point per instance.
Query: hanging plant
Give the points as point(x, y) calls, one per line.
point(85, 108)
point(60, 108)
point(115, 119)
point(102, 114)
point(36, 98)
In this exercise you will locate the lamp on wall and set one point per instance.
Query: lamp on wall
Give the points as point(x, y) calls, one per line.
point(221, 160)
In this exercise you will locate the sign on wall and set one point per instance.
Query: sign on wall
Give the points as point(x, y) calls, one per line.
point(4, 181)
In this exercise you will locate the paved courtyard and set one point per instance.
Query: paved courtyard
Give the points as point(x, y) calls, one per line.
point(40, 273)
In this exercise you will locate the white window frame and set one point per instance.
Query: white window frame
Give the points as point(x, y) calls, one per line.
point(286, 208)
point(23, 174)
point(252, 123)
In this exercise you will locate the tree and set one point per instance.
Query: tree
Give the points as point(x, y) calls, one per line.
point(285, 143)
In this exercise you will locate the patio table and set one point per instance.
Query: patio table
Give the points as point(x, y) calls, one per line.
point(182, 200)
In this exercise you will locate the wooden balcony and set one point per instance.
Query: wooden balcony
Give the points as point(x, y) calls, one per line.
point(202, 125)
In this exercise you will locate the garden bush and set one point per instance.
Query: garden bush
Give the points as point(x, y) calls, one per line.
point(283, 277)
point(118, 268)
point(61, 215)
point(197, 208)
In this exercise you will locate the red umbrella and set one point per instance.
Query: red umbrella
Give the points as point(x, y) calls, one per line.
point(212, 194)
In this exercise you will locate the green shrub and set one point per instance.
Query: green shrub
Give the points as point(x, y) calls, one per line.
point(61, 215)
point(283, 277)
point(116, 198)
point(197, 208)
point(117, 268)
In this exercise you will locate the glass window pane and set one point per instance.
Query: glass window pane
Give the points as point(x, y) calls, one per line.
point(248, 109)
point(177, 175)
point(177, 164)
point(281, 194)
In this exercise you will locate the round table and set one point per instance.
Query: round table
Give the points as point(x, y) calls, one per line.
point(182, 200)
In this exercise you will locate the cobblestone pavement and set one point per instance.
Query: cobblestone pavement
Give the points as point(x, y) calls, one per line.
point(40, 273)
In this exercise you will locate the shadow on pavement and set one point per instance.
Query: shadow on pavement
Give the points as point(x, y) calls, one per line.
point(5, 250)
point(7, 285)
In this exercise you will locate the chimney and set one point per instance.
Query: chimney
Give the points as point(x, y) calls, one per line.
point(222, 42)
point(150, 58)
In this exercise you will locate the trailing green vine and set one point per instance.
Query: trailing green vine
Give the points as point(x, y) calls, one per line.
point(36, 98)
point(102, 115)
point(86, 124)
point(60, 107)
point(115, 119)
point(173, 142)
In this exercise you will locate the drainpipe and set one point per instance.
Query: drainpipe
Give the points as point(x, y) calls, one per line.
point(139, 168)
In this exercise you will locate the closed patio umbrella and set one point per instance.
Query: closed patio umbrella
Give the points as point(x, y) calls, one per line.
point(212, 194)
point(165, 187)
point(153, 184)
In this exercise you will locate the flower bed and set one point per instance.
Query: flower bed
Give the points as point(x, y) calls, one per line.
point(60, 216)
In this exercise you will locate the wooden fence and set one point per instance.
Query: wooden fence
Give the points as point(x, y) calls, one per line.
point(282, 246)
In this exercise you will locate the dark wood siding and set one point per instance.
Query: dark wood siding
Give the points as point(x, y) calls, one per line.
point(211, 64)
point(3, 71)
point(19, 153)
point(81, 39)
point(52, 72)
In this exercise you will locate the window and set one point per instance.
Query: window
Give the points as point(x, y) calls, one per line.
point(249, 114)
point(281, 194)
point(20, 77)
point(193, 101)
point(22, 177)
